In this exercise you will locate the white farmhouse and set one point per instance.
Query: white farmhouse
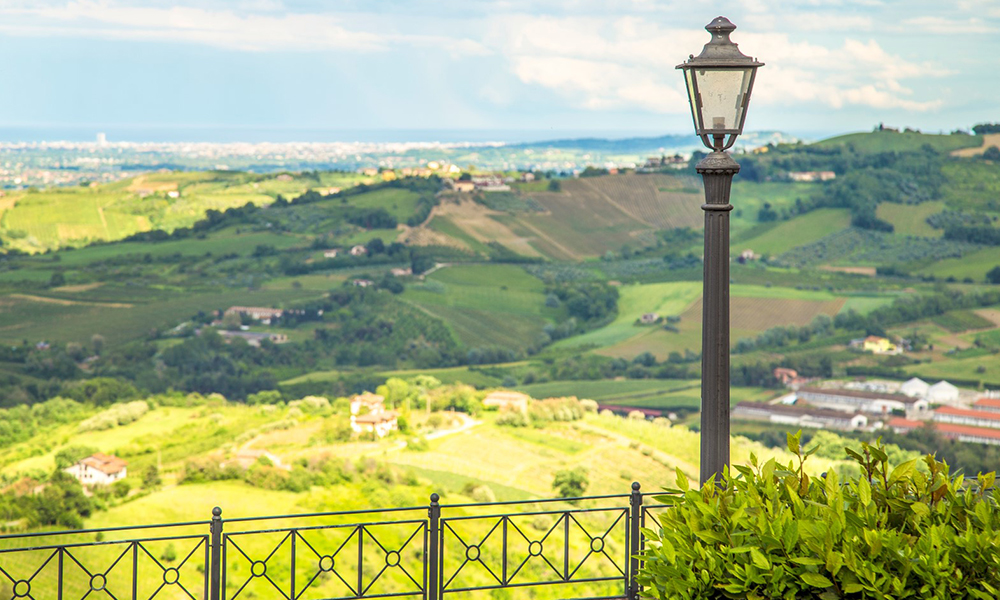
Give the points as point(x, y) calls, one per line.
point(942, 391)
point(98, 469)
point(380, 423)
point(915, 388)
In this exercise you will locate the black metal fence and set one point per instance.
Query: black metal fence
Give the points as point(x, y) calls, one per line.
point(586, 546)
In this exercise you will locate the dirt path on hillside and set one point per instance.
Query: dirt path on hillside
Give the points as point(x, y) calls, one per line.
point(990, 139)
point(689, 469)
point(64, 302)
point(104, 222)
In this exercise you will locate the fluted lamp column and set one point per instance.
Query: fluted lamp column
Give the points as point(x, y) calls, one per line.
point(719, 82)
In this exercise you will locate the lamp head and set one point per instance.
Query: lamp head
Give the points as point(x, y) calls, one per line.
point(719, 82)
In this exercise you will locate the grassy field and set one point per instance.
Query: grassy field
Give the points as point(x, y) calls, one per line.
point(749, 197)
point(909, 219)
point(901, 141)
point(774, 239)
point(43, 317)
point(974, 265)
point(445, 375)
point(667, 395)
point(666, 299)
point(485, 305)
point(753, 309)
point(972, 185)
point(977, 368)
point(72, 216)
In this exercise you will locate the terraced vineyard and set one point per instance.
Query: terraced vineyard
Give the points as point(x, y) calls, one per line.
point(661, 201)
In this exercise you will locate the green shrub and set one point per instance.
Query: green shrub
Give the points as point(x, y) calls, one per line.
point(771, 531)
point(118, 414)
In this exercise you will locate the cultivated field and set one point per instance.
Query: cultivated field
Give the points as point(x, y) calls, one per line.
point(910, 219)
point(776, 238)
point(661, 201)
point(72, 216)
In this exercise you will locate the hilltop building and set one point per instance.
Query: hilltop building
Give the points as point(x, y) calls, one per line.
point(963, 416)
point(953, 431)
point(867, 402)
point(368, 415)
point(264, 315)
point(915, 388)
point(462, 186)
point(800, 415)
point(254, 338)
point(878, 345)
point(810, 176)
point(379, 423)
point(942, 391)
point(987, 404)
point(368, 402)
point(507, 400)
point(98, 469)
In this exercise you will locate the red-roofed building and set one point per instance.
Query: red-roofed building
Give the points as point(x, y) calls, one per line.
point(99, 469)
point(987, 404)
point(965, 433)
point(964, 416)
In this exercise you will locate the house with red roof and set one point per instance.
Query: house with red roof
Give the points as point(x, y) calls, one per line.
point(98, 469)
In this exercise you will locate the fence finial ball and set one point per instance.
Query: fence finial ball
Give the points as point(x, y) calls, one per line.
point(435, 497)
point(635, 486)
point(216, 512)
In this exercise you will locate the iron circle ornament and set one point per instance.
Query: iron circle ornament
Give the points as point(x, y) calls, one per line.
point(258, 568)
point(597, 544)
point(392, 558)
point(535, 548)
point(326, 563)
point(98, 582)
point(472, 553)
point(22, 588)
point(171, 576)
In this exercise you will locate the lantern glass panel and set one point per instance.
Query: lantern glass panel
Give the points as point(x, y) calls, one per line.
point(722, 93)
point(693, 97)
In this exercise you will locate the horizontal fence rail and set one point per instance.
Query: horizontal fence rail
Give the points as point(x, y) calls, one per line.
point(588, 545)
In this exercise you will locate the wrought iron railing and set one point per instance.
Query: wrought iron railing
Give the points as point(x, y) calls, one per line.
point(589, 546)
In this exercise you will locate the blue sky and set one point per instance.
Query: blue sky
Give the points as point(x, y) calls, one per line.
point(561, 65)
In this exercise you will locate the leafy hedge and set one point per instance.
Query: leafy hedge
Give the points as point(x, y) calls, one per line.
point(773, 532)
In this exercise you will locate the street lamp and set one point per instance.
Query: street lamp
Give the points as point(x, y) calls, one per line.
point(719, 82)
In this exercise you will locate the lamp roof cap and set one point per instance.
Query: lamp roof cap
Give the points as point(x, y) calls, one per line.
point(720, 51)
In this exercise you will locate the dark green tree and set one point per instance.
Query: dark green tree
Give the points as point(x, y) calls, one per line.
point(571, 483)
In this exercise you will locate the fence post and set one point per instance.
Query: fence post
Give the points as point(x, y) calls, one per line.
point(434, 551)
point(215, 584)
point(634, 546)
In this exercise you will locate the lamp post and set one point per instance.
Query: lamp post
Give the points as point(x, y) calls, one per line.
point(719, 81)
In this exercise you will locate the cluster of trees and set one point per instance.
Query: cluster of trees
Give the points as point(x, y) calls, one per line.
point(541, 412)
point(863, 179)
point(986, 235)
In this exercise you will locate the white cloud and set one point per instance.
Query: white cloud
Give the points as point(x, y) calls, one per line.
point(628, 62)
point(945, 26)
point(223, 28)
